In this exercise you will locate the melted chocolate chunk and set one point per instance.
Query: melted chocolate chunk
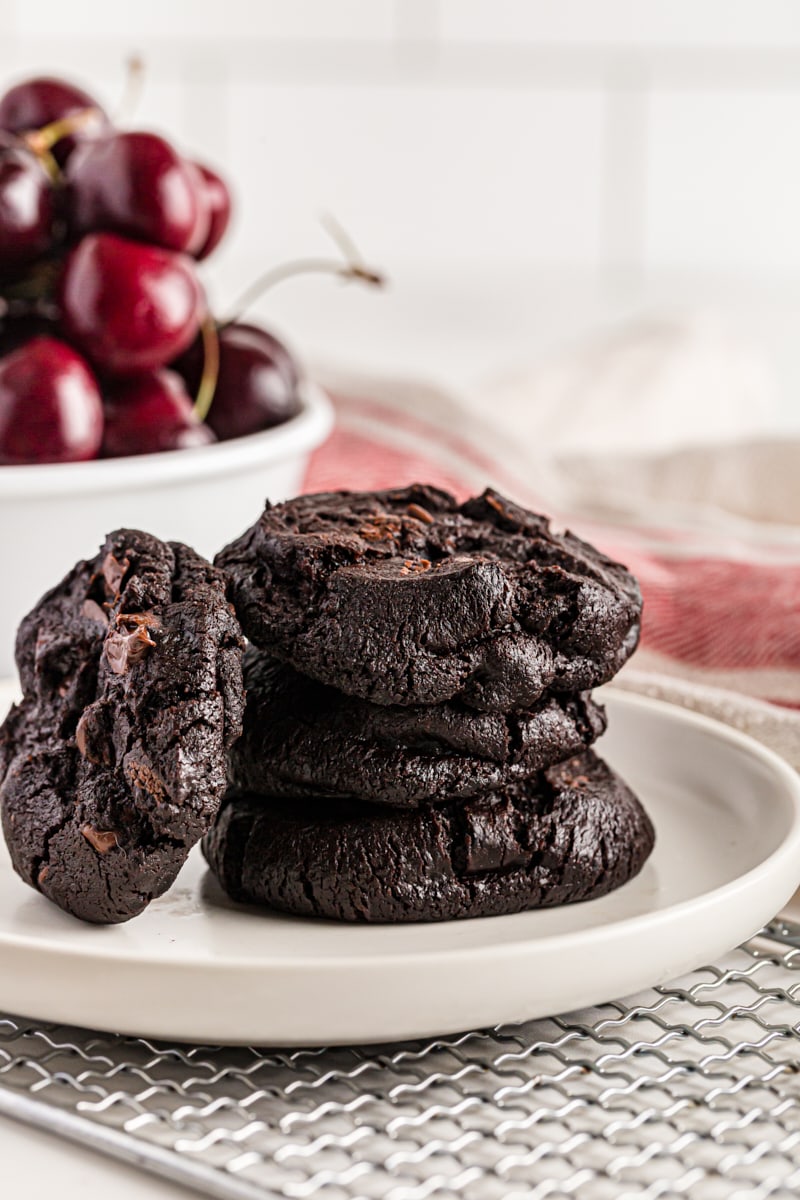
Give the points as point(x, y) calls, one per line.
point(102, 840)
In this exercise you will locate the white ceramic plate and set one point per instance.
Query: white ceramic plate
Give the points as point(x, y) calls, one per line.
point(198, 968)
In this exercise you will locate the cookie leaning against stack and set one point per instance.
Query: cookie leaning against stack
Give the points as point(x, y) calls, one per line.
point(112, 765)
point(418, 727)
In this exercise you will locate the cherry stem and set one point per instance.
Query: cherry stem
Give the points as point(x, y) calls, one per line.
point(41, 141)
point(208, 380)
point(47, 160)
point(351, 268)
point(341, 238)
point(132, 89)
point(349, 272)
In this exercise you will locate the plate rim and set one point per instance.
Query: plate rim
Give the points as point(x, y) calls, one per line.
point(375, 996)
point(789, 845)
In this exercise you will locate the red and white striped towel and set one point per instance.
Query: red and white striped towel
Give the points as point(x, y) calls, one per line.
point(721, 630)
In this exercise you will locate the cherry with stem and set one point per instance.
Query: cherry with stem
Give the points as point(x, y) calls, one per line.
point(350, 268)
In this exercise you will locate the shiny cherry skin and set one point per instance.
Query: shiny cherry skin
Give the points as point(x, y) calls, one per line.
point(149, 413)
point(35, 103)
point(26, 207)
point(199, 233)
point(137, 185)
point(258, 381)
point(217, 199)
point(129, 307)
point(50, 405)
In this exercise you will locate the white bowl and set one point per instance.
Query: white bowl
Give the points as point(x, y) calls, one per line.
point(54, 514)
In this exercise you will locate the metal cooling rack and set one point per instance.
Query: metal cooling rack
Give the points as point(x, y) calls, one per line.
point(692, 1089)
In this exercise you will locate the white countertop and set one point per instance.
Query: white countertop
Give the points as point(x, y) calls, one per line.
point(38, 1165)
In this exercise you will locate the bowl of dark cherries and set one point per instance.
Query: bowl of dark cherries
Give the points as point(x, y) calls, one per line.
point(123, 399)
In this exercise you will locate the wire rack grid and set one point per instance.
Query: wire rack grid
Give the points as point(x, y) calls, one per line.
point(690, 1089)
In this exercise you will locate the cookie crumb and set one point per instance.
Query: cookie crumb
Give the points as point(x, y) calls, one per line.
point(144, 778)
point(494, 503)
point(411, 567)
point(382, 527)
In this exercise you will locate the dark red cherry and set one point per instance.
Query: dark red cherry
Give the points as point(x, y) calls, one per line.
point(39, 102)
point(217, 200)
point(50, 406)
point(136, 184)
point(127, 306)
point(149, 413)
point(257, 386)
point(26, 207)
point(202, 225)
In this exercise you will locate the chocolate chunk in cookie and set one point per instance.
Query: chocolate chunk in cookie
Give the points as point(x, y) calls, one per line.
point(574, 832)
point(407, 597)
point(303, 738)
point(113, 764)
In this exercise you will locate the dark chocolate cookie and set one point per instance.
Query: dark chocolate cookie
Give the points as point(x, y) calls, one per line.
point(303, 738)
point(574, 832)
point(113, 764)
point(407, 597)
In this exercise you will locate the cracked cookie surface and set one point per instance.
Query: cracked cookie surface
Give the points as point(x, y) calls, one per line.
point(304, 738)
point(113, 764)
point(574, 832)
point(407, 597)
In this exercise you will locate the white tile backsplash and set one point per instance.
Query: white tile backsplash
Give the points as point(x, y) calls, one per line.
point(423, 175)
point(723, 182)
point(193, 19)
point(603, 135)
point(625, 22)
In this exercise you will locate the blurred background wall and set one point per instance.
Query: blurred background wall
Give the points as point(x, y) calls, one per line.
point(524, 169)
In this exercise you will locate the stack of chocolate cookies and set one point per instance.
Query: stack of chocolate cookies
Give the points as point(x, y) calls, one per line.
point(418, 724)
